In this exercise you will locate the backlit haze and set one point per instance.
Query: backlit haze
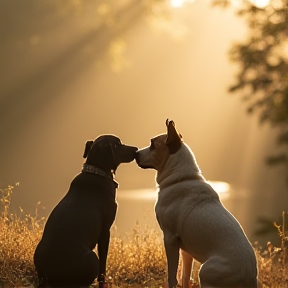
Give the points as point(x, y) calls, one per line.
point(66, 78)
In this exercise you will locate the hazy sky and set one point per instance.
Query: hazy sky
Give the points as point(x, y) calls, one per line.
point(65, 78)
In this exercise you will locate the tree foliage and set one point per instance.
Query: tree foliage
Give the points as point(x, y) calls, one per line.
point(263, 74)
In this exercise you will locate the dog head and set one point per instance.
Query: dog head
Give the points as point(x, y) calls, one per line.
point(160, 149)
point(107, 152)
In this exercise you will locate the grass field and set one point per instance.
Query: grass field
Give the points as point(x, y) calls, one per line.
point(135, 260)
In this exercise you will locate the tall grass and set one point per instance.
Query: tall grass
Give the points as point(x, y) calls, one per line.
point(19, 235)
point(135, 260)
point(273, 261)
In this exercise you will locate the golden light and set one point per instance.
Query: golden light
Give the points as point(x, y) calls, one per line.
point(176, 3)
point(222, 188)
point(179, 3)
point(138, 194)
point(260, 3)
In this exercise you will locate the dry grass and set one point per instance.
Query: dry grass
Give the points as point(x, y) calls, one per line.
point(273, 262)
point(138, 259)
point(135, 260)
point(19, 235)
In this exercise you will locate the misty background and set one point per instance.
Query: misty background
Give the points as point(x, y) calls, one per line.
point(73, 70)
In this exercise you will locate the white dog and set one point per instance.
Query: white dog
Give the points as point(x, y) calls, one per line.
point(194, 220)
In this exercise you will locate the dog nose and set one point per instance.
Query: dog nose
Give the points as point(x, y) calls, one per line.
point(137, 156)
point(135, 151)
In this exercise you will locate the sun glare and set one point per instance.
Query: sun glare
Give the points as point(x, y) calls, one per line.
point(257, 3)
point(260, 3)
point(222, 188)
point(178, 3)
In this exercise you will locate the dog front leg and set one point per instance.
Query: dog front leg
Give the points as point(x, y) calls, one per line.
point(186, 269)
point(172, 254)
point(103, 246)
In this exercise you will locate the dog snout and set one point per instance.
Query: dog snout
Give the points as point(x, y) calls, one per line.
point(134, 151)
point(143, 159)
point(137, 157)
point(129, 152)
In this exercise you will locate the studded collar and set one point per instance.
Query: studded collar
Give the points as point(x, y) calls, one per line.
point(95, 170)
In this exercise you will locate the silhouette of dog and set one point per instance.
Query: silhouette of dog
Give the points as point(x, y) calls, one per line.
point(82, 219)
point(194, 220)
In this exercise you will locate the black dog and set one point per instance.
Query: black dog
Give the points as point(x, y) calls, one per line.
point(82, 219)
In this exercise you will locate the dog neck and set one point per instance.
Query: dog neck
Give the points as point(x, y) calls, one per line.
point(174, 171)
point(95, 170)
point(168, 181)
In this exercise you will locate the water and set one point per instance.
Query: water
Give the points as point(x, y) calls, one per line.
point(137, 206)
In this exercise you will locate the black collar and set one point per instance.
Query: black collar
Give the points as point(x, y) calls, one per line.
point(94, 170)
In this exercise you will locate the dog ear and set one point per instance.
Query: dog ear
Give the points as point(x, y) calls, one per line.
point(174, 138)
point(87, 148)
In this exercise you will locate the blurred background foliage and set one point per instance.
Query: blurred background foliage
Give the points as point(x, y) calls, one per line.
point(263, 62)
point(263, 76)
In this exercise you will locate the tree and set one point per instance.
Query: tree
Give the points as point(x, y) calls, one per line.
point(263, 73)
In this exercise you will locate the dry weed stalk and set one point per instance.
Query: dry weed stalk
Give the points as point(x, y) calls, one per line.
point(272, 263)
